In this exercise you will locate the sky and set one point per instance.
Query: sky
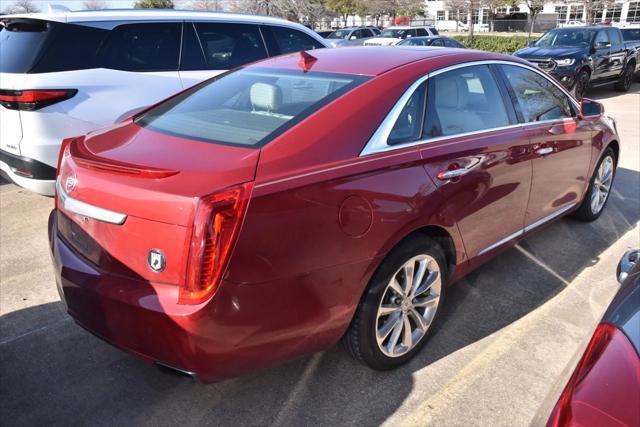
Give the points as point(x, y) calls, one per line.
point(77, 4)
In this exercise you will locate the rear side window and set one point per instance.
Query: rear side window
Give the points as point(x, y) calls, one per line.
point(220, 46)
point(422, 32)
point(434, 31)
point(248, 107)
point(437, 42)
point(538, 98)
point(143, 47)
point(408, 126)
point(35, 46)
point(283, 40)
point(464, 100)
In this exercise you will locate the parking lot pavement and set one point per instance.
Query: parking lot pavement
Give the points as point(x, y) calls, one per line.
point(507, 332)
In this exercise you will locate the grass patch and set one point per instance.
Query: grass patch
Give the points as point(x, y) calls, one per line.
point(494, 43)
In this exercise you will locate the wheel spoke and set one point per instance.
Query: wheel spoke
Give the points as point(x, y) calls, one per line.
point(387, 309)
point(395, 286)
point(388, 326)
point(422, 324)
point(595, 198)
point(430, 300)
point(408, 277)
point(417, 280)
point(407, 336)
point(431, 279)
point(395, 336)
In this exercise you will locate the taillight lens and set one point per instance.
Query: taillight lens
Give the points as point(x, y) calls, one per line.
point(216, 225)
point(604, 390)
point(62, 155)
point(29, 100)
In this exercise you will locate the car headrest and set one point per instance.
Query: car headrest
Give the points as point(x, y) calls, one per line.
point(451, 92)
point(266, 97)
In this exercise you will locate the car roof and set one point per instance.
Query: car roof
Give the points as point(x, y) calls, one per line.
point(427, 37)
point(376, 60)
point(148, 14)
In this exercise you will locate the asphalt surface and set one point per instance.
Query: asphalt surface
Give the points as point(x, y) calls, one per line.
point(507, 334)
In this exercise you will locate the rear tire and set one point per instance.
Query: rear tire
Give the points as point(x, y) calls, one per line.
point(624, 82)
point(394, 317)
point(596, 198)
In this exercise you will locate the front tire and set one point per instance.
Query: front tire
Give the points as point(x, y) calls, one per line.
point(580, 85)
point(402, 301)
point(624, 82)
point(599, 189)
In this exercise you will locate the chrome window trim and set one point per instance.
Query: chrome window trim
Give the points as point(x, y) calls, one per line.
point(526, 229)
point(86, 210)
point(378, 141)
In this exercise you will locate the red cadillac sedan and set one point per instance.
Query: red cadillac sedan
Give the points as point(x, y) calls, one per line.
point(272, 211)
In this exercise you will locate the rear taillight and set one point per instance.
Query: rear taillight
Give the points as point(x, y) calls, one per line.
point(29, 100)
point(216, 225)
point(62, 155)
point(604, 390)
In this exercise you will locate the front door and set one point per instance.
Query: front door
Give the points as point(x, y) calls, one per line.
point(560, 143)
point(600, 55)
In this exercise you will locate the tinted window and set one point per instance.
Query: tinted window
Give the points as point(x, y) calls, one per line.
point(287, 40)
point(143, 47)
point(450, 43)
point(222, 46)
point(248, 107)
point(538, 98)
point(464, 100)
point(33, 46)
point(614, 35)
point(437, 42)
point(422, 32)
point(408, 127)
point(433, 31)
point(631, 34)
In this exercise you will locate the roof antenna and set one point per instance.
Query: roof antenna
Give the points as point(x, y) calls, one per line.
point(306, 61)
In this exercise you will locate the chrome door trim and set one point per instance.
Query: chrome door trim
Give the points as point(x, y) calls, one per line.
point(378, 142)
point(86, 210)
point(526, 229)
point(501, 242)
point(548, 217)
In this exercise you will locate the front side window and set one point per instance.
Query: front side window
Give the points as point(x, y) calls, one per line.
point(602, 37)
point(287, 40)
point(437, 42)
point(248, 107)
point(614, 36)
point(408, 126)
point(143, 47)
point(464, 100)
point(339, 34)
point(421, 32)
point(538, 98)
point(221, 46)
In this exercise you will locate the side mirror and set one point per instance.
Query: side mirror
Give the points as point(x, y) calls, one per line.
point(626, 264)
point(602, 45)
point(352, 38)
point(590, 109)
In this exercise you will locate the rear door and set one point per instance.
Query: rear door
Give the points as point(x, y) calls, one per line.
point(561, 143)
point(211, 48)
point(477, 154)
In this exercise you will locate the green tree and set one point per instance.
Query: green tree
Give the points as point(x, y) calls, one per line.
point(343, 7)
point(153, 4)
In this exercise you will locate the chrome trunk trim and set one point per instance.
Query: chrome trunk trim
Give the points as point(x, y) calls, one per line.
point(86, 210)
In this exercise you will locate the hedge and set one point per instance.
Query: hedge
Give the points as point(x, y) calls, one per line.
point(494, 43)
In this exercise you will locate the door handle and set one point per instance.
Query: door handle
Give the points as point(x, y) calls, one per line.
point(451, 174)
point(455, 170)
point(544, 150)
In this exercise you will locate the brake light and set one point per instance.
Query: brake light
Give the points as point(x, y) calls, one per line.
point(216, 225)
point(605, 387)
point(62, 154)
point(29, 100)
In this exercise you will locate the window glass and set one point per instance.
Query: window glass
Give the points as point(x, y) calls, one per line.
point(464, 100)
point(450, 43)
point(248, 107)
point(226, 46)
point(143, 47)
point(287, 40)
point(437, 42)
point(422, 32)
point(602, 37)
point(614, 36)
point(408, 127)
point(35, 46)
point(434, 31)
point(358, 34)
point(539, 99)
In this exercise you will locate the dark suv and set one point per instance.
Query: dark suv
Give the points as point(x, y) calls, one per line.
point(580, 57)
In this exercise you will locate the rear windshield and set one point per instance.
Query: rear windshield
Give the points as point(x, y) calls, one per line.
point(249, 107)
point(35, 46)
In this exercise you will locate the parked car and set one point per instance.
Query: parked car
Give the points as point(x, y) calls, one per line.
point(324, 33)
point(433, 41)
point(394, 35)
point(582, 57)
point(230, 227)
point(350, 36)
point(65, 74)
point(631, 38)
point(605, 385)
point(451, 25)
point(573, 24)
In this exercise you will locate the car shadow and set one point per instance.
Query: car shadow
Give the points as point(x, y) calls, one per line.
point(607, 91)
point(58, 373)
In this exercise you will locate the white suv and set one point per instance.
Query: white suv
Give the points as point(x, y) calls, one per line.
point(394, 35)
point(66, 74)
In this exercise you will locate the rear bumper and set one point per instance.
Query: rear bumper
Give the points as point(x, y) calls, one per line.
point(236, 332)
point(28, 173)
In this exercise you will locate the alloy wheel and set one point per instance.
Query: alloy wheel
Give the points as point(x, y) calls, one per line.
point(408, 305)
point(602, 185)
